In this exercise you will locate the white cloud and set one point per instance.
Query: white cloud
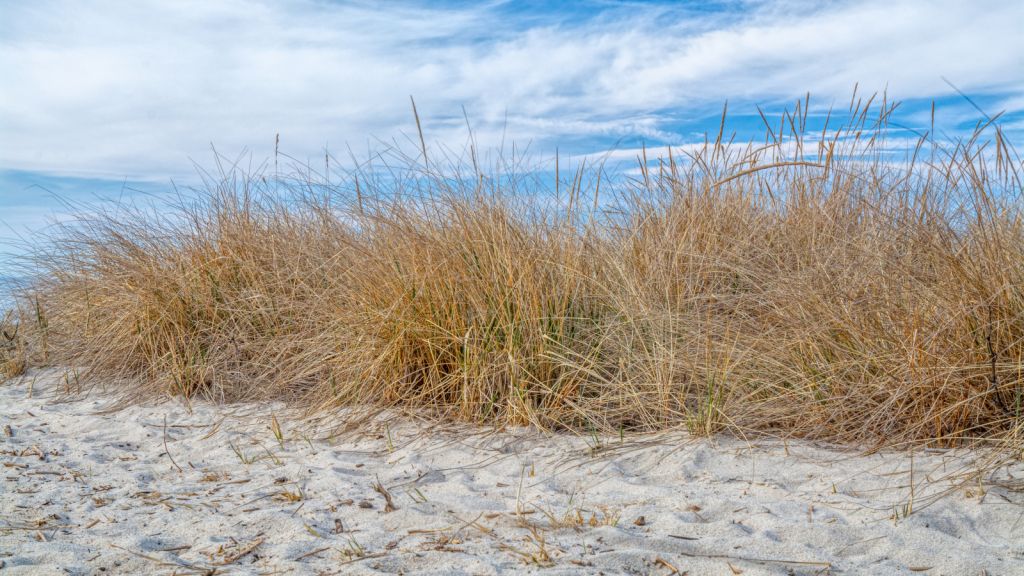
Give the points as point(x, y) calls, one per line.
point(119, 89)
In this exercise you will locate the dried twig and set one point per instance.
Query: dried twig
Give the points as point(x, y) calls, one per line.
point(311, 553)
point(389, 505)
point(367, 557)
point(240, 553)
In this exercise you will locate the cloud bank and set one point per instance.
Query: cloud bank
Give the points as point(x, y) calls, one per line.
point(114, 89)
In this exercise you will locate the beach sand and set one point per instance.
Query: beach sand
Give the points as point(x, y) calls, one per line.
point(84, 491)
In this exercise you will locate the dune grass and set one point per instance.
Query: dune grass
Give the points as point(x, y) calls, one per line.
point(805, 285)
point(12, 352)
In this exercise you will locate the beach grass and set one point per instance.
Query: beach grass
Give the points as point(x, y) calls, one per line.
point(844, 286)
point(12, 350)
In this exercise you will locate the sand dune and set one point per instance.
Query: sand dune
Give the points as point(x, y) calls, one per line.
point(87, 492)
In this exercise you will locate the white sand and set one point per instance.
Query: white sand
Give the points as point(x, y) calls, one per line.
point(108, 500)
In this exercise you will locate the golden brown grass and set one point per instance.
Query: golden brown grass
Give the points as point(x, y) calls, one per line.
point(12, 350)
point(809, 288)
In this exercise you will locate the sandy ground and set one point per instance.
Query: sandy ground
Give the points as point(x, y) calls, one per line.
point(87, 492)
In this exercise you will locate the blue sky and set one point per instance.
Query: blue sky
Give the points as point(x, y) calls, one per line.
point(107, 99)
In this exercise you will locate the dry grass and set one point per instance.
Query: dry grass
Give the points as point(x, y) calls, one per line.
point(575, 517)
point(12, 349)
point(215, 476)
point(809, 288)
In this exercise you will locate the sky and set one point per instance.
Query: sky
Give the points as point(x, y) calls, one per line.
point(113, 99)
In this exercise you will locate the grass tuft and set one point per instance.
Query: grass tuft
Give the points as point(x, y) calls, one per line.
point(12, 349)
point(803, 286)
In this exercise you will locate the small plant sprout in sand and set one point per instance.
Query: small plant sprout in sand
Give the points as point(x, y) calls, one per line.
point(596, 438)
point(538, 555)
point(215, 476)
point(418, 498)
point(275, 429)
point(247, 460)
point(271, 455)
point(290, 496)
point(354, 548)
point(575, 516)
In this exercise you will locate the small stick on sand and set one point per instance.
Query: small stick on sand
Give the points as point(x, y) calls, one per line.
point(380, 489)
point(165, 446)
point(748, 559)
point(428, 530)
point(362, 558)
point(661, 561)
point(214, 431)
point(241, 553)
point(150, 558)
point(519, 491)
point(473, 523)
point(311, 553)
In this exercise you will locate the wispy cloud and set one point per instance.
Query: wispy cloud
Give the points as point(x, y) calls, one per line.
point(116, 89)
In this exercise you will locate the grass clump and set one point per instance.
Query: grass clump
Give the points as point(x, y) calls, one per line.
point(812, 287)
point(12, 349)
